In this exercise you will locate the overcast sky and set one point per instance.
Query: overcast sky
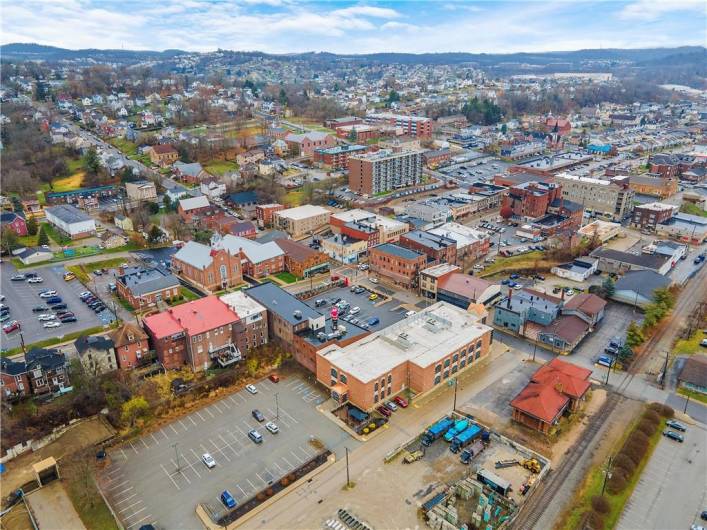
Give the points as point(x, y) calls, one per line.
point(288, 26)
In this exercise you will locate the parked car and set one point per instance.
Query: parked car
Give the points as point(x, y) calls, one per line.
point(373, 321)
point(255, 436)
point(208, 460)
point(39, 309)
point(4, 317)
point(363, 267)
point(385, 411)
point(11, 326)
point(47, 294)
point(359, 290)
point(274, 378)
point(68, 318)
point(355, 310)
point(52, 324)
point(272, 427)
point(401, 401)
point(85, 294)
point(373, 296)
point(258, 415)
point(251, 389)
point(36, 279)
point(410, 313)
point(373, 280)
point(228, 500)
point(676, 425)
point(514, 276)
point(45, 317)
point(392, 406)
point(319, 303)
point(53, 300)
point(99, 308)
point(68, 276)
point(18, 278)
point(674, 436)
point(59, 307)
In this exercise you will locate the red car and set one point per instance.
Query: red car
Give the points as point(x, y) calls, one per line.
point(401, 401)
point(11, 326)
point(274, 378)
point(385, 411)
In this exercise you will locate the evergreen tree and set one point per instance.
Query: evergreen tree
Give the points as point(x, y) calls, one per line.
point(634, 335)
point(43, 238)
point(609, 287)
point(32, 226)
point(91, 162)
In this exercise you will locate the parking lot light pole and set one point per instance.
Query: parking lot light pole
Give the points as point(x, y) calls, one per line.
point(179, 467)
point(456, 380)
point(687, 402)
point(348, 478)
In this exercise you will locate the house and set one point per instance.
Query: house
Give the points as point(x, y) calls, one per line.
point(258, 259)
point(70, 221)
point(264, 213)
point(462, 290)
point(554, 389)
point(14, 380)
point(144, 287)
point(212, 188)
point(518, 308)
point(245, 201)
point(588, 307)
point(301, 260)
point(96, 353)
point(112, 240)
point(305, 144)
point(34, 255)
point(636, 288)
point(163, 155)
point(195, 334)
point(123, 222)
point(211, 268)
point(578, 271)
point(175, 191)
point(46, 370)
point(250, 157)
point(141, 190)
point(32, 208)
point(693, 375)
point(14, 222)
point(192, 173)
point(226, 224)
point(193, 207)
point(130, 344)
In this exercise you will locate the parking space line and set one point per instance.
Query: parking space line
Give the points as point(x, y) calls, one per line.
point(123, 453)
point(215, 405)
point(289, 466)
point(113, 471)
point(228, 445)
point(279, 469)
point(225, 404)
point(297, 457)
point(252, 487)
point(131, 445)
point(118, 485)
point(155, 439)
point(144, 443)
point(129, 506)
point(163, 434)
point(137, 512)
point(139, 521)
point(220, 450)
point(170, 477)
point(124, 491)
point(288, 415)
point(172, 427)
point(305, 451)
point(126, 499)
point(181, 472)
point(243, 492)
point(279, 420)
point(242, 398)
point(210, 413)
point(262, 479)
point(234, 401)
point(182, 424)
point(200, 416)
point(191, 420)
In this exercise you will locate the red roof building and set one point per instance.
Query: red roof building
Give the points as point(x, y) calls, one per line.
point(555, 388)
point(195, 333)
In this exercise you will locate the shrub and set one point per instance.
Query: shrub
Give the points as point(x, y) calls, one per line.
point(625, 462)
point(646, 427)
point(260, 496)
point(594, 520)
point(637, 437)
point(366, 430)
point(652, 416)
point(284, 481)
point(663, 410)
point(616, 483)
point(269, 492)
point(635, 451)
point(668, 412)
point(600, 504)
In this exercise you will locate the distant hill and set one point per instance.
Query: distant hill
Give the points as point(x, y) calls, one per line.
point(586, 59)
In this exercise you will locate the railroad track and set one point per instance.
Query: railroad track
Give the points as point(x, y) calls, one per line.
point(535, 506)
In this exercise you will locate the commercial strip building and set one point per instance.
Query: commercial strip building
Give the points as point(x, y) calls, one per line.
point(301, 260)
point(70, 221)
point(384, 170)
point(620, 262)
point(610, 198)
point(418, 353)
point(437, 248)
point(471, 243)
point(636, 288)
point(647, 216)
point(353, 222)
point(686, 228)
point(195, 334)
point(302, 220)
point(344, 249)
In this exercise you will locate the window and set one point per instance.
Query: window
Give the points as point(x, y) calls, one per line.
point(478, 345)
point(478, 354)
point(454, 369)
point(343, 378)
point(334, 373)
point(390, 378)
point(455, 358)
point(223, 272)
point(446, 374)
point(462, 364)
point(438, 368)
point(375, 398)
point(390, 390)
point(437, 380)
point(375, 387)
point(447, 362)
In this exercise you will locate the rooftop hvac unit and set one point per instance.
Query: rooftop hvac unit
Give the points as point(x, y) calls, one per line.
point(297, 314)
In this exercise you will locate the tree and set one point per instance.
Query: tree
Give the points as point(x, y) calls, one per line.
point(153, 208)
point(9, 240)
point(154, 235)
point(282, 97)
point(393, 97)
point(32, 226)
point(133, 409)
point(634, 335)
point(167, 203)
point(203, 236)
point(91, 162)
point(664, 298)
point(252, 366)
point(609, 287)
point(504, 128)
point(43, 238)
point(625, 354)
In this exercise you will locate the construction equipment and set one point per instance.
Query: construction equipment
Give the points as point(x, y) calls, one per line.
point(410, 457)
point(532, 465)
point(500, 464)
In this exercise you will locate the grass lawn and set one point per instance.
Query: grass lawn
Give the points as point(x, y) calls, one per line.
point(70, 183)
point(220, 167)
point(74, 165)
point(55, 340)
point(691, 345)
point(293, 198)
point(693, 395)
point(28, 241)
point(54, 235)
point(525, 261)
point(188, 294)
point(126, 146)
point(595, 478)
point(77, 474)
point(286, 277)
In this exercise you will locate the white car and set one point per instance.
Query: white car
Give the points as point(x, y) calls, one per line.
point(47, 294)
point(52, 324)
point(355, 311)
point(44, 317)
point(273, 428)
point(208, 460)
point(373, 280)
point(410, 313)
point(251, 389)
point(36, 279)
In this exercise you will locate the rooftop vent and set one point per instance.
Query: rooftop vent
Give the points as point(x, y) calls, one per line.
point(297, 314)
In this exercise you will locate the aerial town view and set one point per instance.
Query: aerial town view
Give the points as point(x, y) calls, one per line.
point(353, 265)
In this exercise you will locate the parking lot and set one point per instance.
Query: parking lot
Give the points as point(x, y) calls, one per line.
point(21, 297)
point(388, 312)
point(160, 478)
point(670, 492)
point(482, 169)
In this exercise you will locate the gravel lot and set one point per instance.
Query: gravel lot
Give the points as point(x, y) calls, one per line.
point(21, 297)
point(160, 477)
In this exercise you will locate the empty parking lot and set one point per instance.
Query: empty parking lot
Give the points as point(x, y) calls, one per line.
point(21, 297)
point(160, 477)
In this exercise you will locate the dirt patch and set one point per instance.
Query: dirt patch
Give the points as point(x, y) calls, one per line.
point(80, 436)
point(17, 519)
point(52, 508)
point(568, 439)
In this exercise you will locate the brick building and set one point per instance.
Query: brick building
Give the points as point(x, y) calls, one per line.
point(302, 220)
point(264, 213)
point(163, 155)
point(251, 330)
point(195, 334)
point(211, 269)
point(131, 346)
point(384, 170)
point(654, 185)
point(410, 125)
point(301, 260)
point(13, 222)
point(258, 259)
point(357, 133)
point(337, 157)
point(647, 216)
point(438, 248)
point(305, 144)
point(193, 208)
point(396, 263)
point(142, 287)
point(530, 200)
point(14, 380)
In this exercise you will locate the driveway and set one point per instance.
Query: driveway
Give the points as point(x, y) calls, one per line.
point(671, 492)
point(160, 477)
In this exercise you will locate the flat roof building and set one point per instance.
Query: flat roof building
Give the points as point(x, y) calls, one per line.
point(384, 170)
point(301, 220)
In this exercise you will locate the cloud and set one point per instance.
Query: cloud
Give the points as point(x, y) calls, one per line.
point(649, 10)
point(369, 11)
point(394, 25)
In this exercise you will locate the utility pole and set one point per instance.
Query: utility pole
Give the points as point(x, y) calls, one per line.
point(665, 370)
point(607, 475)
point(277, 407)
point(348, 477)
point(176, 451)
point(535, 348)
point(456, 381)
point(608, 371)
point(22, 340)
point(687, 402)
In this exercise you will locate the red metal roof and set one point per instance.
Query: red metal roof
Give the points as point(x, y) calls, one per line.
point(541, 401)
point(194, 318)
point(573, 380)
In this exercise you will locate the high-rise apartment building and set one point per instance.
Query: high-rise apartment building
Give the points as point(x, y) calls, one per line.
point(384, 170)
